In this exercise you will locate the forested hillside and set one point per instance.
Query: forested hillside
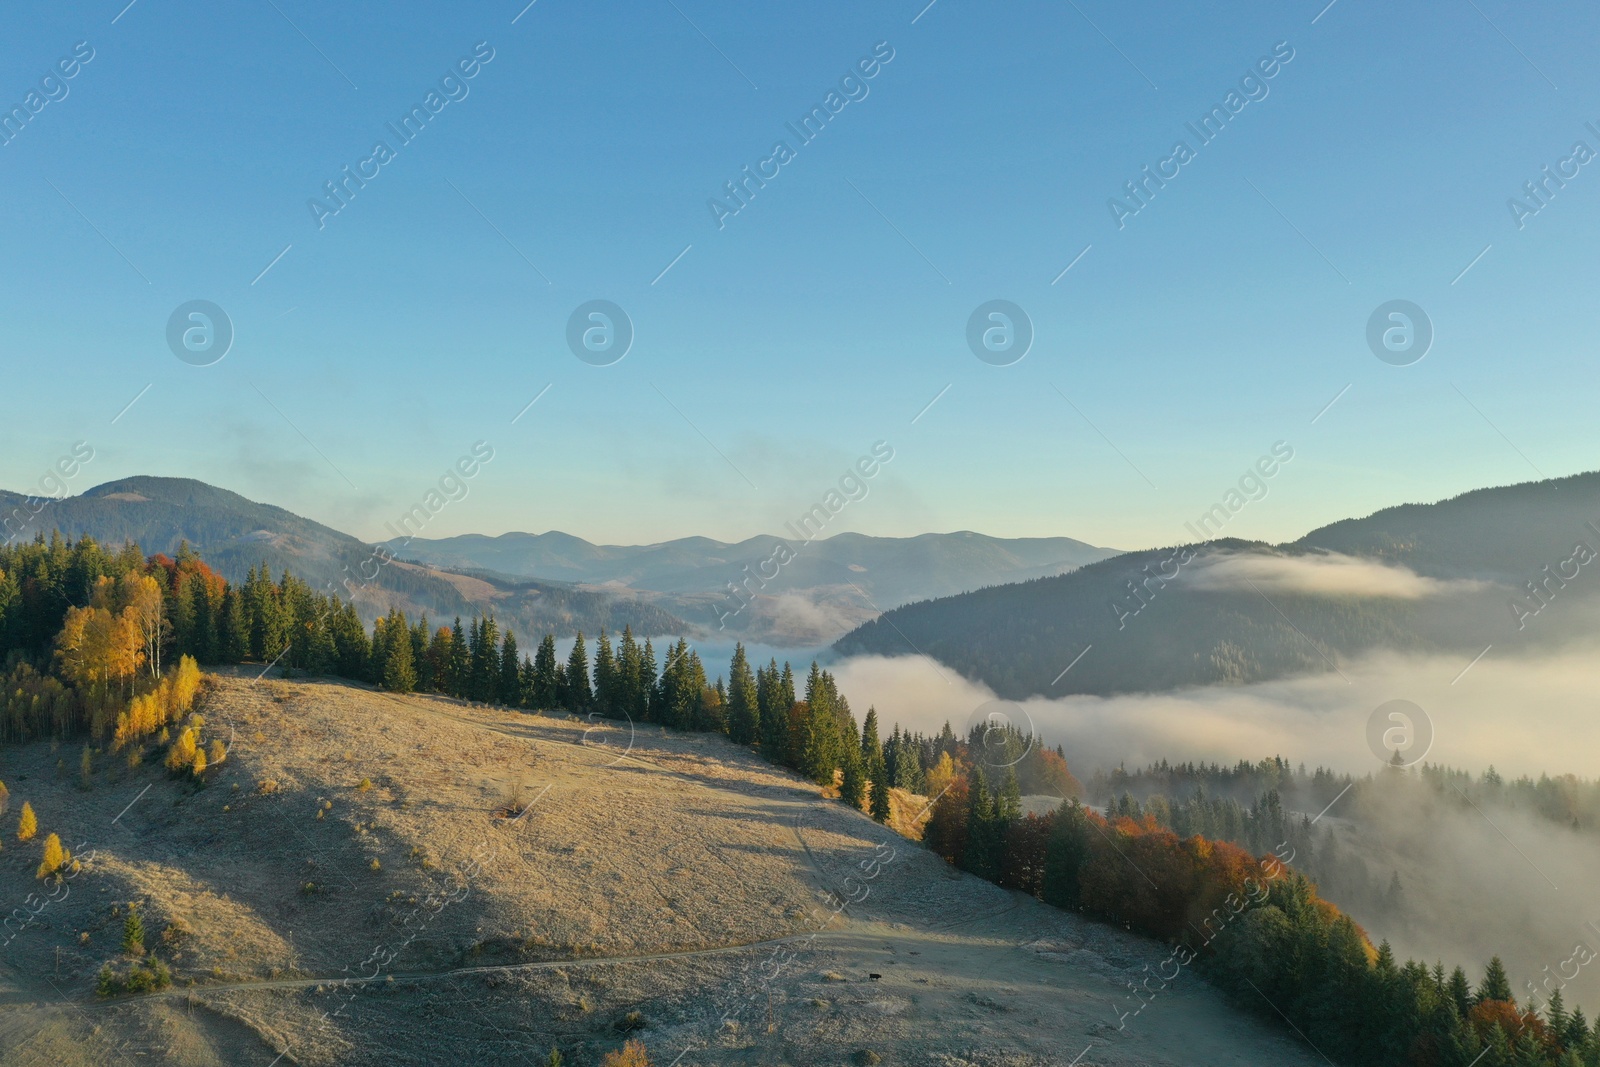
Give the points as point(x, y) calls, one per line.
point(1422, 577)
point(235, 534)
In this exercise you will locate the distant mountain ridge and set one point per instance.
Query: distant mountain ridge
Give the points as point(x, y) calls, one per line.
point(829, 585)
point(1503, 565)
point(234, 534)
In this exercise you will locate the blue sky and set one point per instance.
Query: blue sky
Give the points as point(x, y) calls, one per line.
point(826, 314)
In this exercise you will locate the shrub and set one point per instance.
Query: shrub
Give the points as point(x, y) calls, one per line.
point(364, 785)
point(632, 1054)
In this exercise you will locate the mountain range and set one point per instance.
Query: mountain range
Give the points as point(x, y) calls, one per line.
point(829, 586)
point(1507, 566)
point(556, 582)
point(234, 534)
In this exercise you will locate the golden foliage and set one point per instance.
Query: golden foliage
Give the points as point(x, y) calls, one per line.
point(632, 1054)
point(95, 646)
point(55, 857)
point(181, 755)
point(28, 825)
point(941, 776)
point(166, 703)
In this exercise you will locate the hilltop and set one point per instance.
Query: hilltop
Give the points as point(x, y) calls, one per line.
point(528, 882)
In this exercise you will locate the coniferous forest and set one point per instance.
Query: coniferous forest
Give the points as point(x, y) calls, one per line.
point(105, 647)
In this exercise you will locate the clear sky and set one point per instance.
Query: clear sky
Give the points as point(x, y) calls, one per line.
point(577, 164)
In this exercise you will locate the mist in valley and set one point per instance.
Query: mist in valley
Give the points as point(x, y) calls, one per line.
point(1478, 877)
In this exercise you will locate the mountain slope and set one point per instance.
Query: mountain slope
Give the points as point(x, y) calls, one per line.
point(347, 889)
point(1419, 577)
point(234, 534)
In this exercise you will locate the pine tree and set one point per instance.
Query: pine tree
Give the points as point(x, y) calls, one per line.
point(852, 785)
point(27, 825)
point(871, 747)
point(1010, 803)
point(773, 714)
point(545, 694)
point(235, 629)
point(399, 673)
point(86, 770)
point(605, 678)
point(744, 704)
point(879, 802)
point(459, 666)
point(578, 694)
point(1495, 984)
point(509, 687)
point(133, 933)
point(629, 686)
point(421, 664)
point(645, 697)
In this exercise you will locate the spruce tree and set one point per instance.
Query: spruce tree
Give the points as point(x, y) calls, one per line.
point(744, 704)
point(871, 747)
point(459, 665)
point(545, 694)
point(773, 714)
point(852, 785)
point(645, 697)
point(605, 677)
point(399, 673)
point(578, 694)
point(879, 801)
point(1010, 804)
point(627, 676)
point(133, 933)
point(1495, 984)
point(509, 687)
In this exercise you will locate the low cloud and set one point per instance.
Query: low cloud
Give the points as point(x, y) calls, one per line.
point(1526, 714)
point(1324, 574)
point(1477, 882)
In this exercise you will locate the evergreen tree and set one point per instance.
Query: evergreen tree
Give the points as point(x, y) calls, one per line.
point(1495, 984)
point(459, 669)
point(133, 933)
point(646, 696)
point(1010, 802)
point(606, 697)
point(421, 665)
point(545, 683)
point(744, 702)
point(578, 694)
point(879, 802)
point(871, 747)
point(852, 785)
point(820, 742)
point(772, 713)
point(629, 685)
point(235, 630)
point(985, 829)
point(399, 672)
point(509, 686)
